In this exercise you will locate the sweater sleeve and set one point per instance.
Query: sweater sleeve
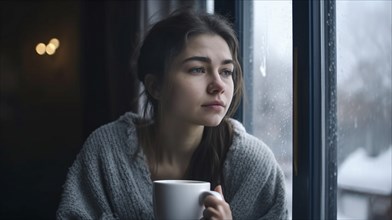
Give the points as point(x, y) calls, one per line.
point(255, 187)
point(84, 195)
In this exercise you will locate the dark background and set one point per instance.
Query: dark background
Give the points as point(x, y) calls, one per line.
point(50, 104)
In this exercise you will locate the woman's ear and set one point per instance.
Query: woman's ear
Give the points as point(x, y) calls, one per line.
point(152, 86)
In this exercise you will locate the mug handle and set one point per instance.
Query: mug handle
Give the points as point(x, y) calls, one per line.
point(207, 193)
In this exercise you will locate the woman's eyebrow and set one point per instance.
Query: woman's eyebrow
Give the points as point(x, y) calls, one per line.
point(206, 60)
point(228, 61)
point(197, 58)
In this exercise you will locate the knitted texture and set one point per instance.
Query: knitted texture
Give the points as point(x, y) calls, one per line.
point(110, 178)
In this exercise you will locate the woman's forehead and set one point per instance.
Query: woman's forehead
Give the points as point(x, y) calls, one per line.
point(210, 46)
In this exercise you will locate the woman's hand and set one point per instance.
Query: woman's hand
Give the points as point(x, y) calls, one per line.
point(216, 208)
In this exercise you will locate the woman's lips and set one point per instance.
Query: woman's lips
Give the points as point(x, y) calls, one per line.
point(216, 105)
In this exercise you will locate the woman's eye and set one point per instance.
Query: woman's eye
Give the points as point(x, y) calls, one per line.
point(227, 73)
point(197, 70)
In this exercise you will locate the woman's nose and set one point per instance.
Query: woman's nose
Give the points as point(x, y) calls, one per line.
point(216, 85)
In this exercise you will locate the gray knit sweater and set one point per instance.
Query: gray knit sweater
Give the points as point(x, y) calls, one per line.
point(110, 178)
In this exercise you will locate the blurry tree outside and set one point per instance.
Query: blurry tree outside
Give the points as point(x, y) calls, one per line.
point(364, 109)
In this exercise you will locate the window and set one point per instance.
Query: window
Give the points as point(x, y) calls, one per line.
point(267, 61)
point(364, 109)
point(340, 77)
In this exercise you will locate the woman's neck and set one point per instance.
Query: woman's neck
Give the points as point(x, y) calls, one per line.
point(175, 144)
point(179, 140)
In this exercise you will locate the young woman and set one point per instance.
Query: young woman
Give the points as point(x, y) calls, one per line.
point(193, 84)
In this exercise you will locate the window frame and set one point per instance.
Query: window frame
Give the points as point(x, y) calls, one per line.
point(314, 103)
point(314, 109)
point(314, 144)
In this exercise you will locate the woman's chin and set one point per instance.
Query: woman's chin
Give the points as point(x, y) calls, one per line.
point(212, 122)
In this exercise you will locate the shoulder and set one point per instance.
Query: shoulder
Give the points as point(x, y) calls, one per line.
point(253, 179)
point(115, 128)
point(249, 158)
point(116, 135)
point(246, 147)
point(107, 146)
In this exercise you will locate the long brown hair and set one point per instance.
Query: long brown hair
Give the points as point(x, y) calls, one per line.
point(163, 42)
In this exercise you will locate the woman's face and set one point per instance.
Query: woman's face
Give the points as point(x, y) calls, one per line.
point(201, 81)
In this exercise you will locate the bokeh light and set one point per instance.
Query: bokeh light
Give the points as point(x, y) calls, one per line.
point(55, 42)
point(50, 49)
point(40, 48)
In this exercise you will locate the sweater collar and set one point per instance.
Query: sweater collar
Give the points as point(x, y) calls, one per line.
point(132, 140)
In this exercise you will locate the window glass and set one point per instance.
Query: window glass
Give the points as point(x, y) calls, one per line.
point(364, 109)
point(268, 78)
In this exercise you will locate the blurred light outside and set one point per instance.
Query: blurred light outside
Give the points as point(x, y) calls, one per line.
point(364, 87)
point(210, 6)
point(271, 84)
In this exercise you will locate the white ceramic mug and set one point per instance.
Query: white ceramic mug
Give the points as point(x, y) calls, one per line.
point(180, 199)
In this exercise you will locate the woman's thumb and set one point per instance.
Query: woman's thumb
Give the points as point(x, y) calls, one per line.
point(218, 189)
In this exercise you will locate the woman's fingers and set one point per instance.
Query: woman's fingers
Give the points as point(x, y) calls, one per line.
point(215, 207)
point(221, 212)
point(210, 212)
point(212, 201)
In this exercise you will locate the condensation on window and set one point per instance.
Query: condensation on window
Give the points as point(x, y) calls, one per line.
point(268, 101)
point(364, 109)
